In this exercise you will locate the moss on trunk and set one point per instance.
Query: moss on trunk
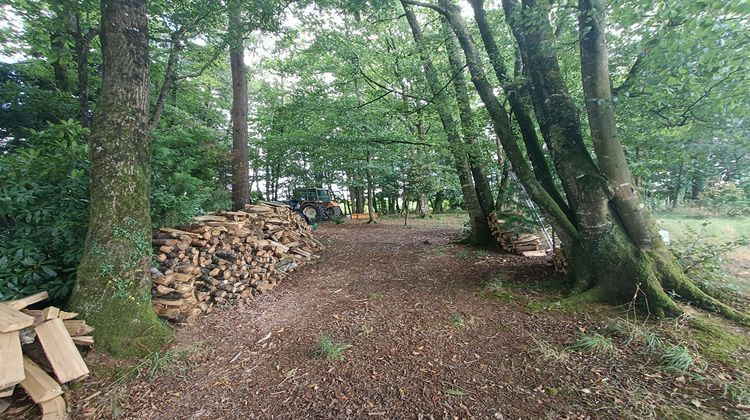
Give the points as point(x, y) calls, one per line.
point(611, 268)
point(113, 282)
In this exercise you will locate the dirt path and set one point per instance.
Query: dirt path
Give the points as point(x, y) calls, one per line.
point(426, 342)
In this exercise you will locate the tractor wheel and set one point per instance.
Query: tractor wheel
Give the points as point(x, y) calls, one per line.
point(334, 213)
point(312, 214)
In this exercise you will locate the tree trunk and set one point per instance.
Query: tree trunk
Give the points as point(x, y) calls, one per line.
point(424, 210)
point(360, 199)
point(370, 192)
point(501, 124)
point(502, 188)
point(113, 284)
point(83, 42)
point(468, 126)
point(240, 164)
point(518, 97)
point(597, 91)
point(59, 64)
point(437, 208)
point(480, 232)
point(169, 74)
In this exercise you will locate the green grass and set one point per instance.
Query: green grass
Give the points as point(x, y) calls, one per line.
point(375, 296)
point(718, 230)
point(330, 350)
point(676, 358)
point(716, 342)
point(457, 320)
point(685, 230)
point(595, 343)
point(149, 366)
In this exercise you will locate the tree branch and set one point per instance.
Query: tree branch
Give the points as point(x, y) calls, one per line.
point(427, 5)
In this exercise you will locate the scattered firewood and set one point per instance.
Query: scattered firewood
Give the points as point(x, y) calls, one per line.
point(34, 342)
point(226, 257)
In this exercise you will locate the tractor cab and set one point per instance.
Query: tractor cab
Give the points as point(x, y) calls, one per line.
point(312, 194)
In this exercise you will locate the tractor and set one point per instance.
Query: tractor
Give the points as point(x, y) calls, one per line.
point(314, 204)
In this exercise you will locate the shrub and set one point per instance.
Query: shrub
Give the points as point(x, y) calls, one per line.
point(44, 191)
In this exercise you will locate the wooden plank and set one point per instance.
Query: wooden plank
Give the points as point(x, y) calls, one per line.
point(54, 409)
point(357, 216)
point(37, 384)
point(77, 327)
point(13, 319)
point(83, 340)
point(19, 304)
point(11, 360)
point(50, 312)
point(541, 253)
point(179, 232)
point(61, 352)
point(67, 315)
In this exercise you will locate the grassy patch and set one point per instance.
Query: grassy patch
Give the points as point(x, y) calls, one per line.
point(441, 250)
point(149, 366)
point(375, 296)
point(329, 349)
point(548, 352)
point(717, 343)
point(364, 330)
point(457, 320)
point(675, 358)
point(595, 343)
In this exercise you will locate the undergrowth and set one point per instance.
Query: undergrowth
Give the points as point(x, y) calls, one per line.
point(595, 343)
point(330, 350)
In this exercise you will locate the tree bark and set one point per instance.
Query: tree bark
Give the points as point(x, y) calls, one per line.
point(83, 43)
point(240, 163)
point(468, 125)
point(597, 91)
point(480, 232)
point(502, 127)
point(437, 208)
point(59, 65)
point(113, 287)
point(519, 99)
point(370, 192)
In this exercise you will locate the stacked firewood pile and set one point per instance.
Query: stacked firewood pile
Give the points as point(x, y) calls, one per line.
point(38, 352)
point(227, 257)
point(511, 241)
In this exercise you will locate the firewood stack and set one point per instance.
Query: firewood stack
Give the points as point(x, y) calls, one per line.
point(34, 342)
point(226, 257)
point(511, 241)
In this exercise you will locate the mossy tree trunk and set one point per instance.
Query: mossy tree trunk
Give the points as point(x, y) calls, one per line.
point(480, 231)
point(113, 284)
point(240, 162)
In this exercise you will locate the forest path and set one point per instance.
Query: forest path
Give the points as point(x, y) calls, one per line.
point(425, 341)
